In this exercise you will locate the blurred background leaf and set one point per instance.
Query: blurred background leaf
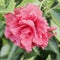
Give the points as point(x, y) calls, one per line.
point(49, 57)
point(24, 2)
point(52, 46)
point(5, 50)
point(58, 0)
point(2, 3)
point(9, 8)
point(56, 16)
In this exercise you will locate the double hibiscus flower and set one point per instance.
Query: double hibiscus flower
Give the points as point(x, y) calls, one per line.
point(26, 27)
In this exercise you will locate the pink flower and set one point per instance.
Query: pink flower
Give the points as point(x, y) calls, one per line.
point(26, 27)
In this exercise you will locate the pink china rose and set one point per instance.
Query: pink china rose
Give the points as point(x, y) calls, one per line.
point(26, 27)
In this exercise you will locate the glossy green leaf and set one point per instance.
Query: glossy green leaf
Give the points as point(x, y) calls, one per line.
point(24, 2)
point(57, 30)
point(49, 57)
point(5, 50)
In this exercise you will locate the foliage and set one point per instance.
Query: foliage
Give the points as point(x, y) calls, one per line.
point(51, 10)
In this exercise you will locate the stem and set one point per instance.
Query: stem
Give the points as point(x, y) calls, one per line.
point(52, 8)
point(42, 3)
point(12, 52)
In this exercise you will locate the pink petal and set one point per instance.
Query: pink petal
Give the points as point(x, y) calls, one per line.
point(27, 43)
point(16, 31)
point(52, 28)
point(35, 8)
point(7, 32)
point(30, 23)
point(37, 40)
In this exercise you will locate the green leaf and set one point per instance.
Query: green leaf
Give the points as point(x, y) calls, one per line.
point(55, 14)
point(22, 58)
point(4, 40)
point(1, 33)
point(32, 58)
point(53, 46)
point(1, 25)
point(11, 6)
point(49, 3)
point(14, 48)
point(18, 51)
point(30, 55)
point(7, 2)
point(35, 49)
point(2, 58)
point(58, 0)
point(24, 2)
point(57, 30)
point(2, 3)
point(5, 50)
point(3, 11)
point(0, 17)
point(1, 28)
point(49, 57)
point(58, 57)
